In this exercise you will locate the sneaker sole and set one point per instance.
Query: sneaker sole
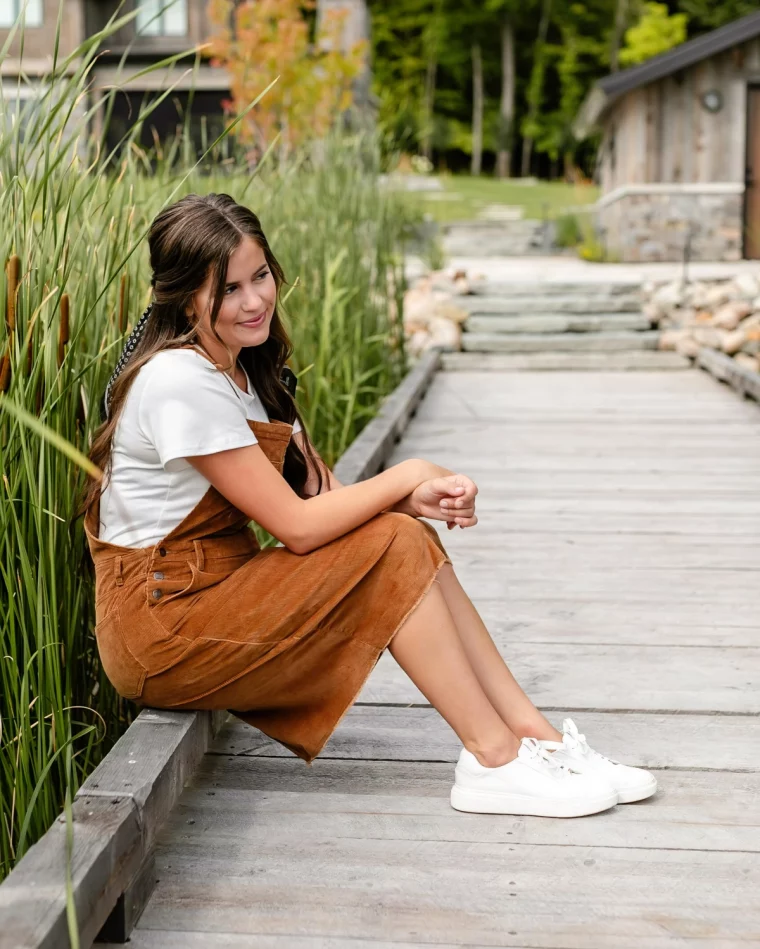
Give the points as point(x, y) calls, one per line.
point(637, 794)
point(488, 802)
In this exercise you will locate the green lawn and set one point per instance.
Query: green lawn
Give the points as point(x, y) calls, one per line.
point(464, 197)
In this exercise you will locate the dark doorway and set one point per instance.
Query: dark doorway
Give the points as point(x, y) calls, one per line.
point(752, 176)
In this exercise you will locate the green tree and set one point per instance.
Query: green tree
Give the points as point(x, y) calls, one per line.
point(656, 32)
point(708, 15)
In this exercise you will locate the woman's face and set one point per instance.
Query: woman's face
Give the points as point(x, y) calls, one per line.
point(250, 295)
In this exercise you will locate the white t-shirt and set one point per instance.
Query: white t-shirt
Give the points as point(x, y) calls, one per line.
point(178, 405)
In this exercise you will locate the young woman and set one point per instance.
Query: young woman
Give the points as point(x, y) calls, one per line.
point(201, 437)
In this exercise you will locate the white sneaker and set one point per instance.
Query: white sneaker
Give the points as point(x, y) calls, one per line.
point(533, 783)
point(631, 784)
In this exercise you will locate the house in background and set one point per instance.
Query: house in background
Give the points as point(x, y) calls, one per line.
point(150, 38)
point(679, 162)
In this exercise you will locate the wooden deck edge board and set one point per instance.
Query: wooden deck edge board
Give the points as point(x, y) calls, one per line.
point(727, 370)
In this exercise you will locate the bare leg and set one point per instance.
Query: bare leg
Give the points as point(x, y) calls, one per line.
point(498, 683)
point(428, 648)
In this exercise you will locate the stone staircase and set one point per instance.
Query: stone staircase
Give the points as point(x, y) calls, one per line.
point(561, 325)
point(497, 238)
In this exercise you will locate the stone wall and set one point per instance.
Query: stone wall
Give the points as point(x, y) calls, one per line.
point(654, 225)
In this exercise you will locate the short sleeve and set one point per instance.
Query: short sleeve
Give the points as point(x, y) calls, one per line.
point(187, 408)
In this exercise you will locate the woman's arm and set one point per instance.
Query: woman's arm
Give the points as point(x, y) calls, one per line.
point(247, 478)
point(331, 483)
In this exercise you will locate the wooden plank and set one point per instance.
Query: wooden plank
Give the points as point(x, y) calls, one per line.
point(599, 611)
point(494, 577)
point(526, 551)
point(438, 891)
point(702, 810)
point(693, 742)
point(727, 370)
point(670, 678)
point(160, 939)
point(715, 526)
point(150, 763)
point(106, 854)
point(545, 459)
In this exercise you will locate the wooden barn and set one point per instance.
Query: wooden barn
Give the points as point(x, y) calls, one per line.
point(679, 162)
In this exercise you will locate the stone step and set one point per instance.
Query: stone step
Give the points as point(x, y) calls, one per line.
point(550, 305)
point(557, 323)
point(558, 342)
point(504, 288)
point(599, 362)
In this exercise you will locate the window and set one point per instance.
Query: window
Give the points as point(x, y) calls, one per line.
point(11, 9)
point(161, 17)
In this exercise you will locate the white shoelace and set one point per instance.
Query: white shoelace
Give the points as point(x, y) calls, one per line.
point(573, 740)
point(536, 751)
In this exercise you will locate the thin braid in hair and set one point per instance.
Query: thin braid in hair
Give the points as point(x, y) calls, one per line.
point(126, 354)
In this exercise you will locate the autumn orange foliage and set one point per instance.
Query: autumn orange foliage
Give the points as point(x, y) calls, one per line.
point(258, 41)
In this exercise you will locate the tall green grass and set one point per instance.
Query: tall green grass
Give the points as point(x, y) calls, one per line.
point(76, 278)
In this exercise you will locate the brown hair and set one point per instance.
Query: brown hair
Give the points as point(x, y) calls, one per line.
point(189, 239)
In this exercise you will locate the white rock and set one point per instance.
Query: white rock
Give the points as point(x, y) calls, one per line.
point(751, 323)
point(685, 316)
point(718, 294)
point(415, 344)
point(445, 333)
point(728, 316)
point(654, 313)
point(670, 339)
point(733, 341)
point(707, 336)
point(695, 295)
point(747, 286)
point(668, 295)
point(748, 362)
point(687, 346)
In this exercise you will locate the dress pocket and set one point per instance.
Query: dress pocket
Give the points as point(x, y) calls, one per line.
point(125, 672)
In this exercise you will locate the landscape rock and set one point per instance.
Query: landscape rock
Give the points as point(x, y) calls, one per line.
point(719, 314)
point(707, 336)
point(669, 295)
point(748, 362)
point(747, 286)
point(718, 294)
point(732, 341)
point(670, 339)
point(728, 316)
point(688, 346)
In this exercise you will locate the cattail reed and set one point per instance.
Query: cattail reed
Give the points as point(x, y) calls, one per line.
point(123, 310)
point(63, 329)
point(13, 272)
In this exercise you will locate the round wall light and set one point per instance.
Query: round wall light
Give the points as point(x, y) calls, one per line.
point(712, 100)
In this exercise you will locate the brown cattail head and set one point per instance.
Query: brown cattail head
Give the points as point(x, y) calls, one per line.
point(63, 331)
point(123, 307)
point(13, 271)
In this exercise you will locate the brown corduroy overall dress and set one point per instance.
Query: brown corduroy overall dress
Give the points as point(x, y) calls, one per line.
point(206, 619)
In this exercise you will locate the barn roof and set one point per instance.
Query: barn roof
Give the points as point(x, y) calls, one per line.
point(608, 90)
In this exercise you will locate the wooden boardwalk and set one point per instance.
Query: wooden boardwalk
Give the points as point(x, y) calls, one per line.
point(617, 564)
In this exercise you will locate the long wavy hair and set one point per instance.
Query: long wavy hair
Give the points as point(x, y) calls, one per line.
point(189, 239)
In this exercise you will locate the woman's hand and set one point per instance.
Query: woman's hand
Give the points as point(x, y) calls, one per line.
point(448, 498)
